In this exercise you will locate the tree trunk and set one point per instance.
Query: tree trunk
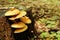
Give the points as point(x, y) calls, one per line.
point(5, 30)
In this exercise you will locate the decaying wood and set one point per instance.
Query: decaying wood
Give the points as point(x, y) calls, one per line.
point(5, 30)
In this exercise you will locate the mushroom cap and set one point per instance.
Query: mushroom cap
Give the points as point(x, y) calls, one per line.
point(25, 19)
point(13, 17)
point(18, 25)
point(21, 14)
point(19, 30)
point(12, 12)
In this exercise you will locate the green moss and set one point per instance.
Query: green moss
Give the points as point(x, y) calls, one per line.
point(44, 34)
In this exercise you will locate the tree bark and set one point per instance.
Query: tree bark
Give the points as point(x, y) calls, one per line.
point(5, 30)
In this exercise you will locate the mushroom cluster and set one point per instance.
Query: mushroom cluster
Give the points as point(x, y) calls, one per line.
point(15, 14)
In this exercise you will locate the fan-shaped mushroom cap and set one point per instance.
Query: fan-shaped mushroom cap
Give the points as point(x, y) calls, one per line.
point(12, 12)
point(19, 30)
point(21, 14)
point(25, 19)
point(13, 17)
point(18, 25)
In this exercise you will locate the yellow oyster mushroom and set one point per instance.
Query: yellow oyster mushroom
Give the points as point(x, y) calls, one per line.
point(12, 12)
point(18, 25)
point(19, 30)
point(25, 19)
point(21, 14)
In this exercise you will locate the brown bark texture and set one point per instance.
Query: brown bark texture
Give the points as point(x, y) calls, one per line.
point(5, 30)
